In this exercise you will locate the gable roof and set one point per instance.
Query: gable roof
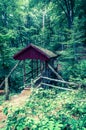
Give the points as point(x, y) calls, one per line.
point(34, 52)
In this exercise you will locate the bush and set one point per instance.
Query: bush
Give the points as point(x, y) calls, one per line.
point(42, 112)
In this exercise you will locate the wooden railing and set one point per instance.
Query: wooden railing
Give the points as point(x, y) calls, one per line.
point(9, 74)
point(29, 77)
point(5, 81)
point(60, 81)
point(42, 83)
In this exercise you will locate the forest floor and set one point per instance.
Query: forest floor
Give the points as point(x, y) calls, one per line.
point(67, 102)
point(16, 101)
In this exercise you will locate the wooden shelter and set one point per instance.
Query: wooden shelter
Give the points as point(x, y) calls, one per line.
point(41, 71)
point(41, 57)
point(44, 66)
point(34, 52)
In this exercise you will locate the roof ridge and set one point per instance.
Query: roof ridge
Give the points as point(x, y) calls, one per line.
point(25, 54)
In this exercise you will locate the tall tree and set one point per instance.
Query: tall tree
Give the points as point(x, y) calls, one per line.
point(68, 8)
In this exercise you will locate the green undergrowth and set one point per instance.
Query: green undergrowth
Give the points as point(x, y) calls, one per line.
point(2, 98)
point(49, 109)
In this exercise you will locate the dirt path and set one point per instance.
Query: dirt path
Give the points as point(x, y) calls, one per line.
point(17, 101)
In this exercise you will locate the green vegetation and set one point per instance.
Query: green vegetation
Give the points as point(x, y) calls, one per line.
point(58, 25)
point(49, 110)
point(2, 98)
point(55, 25)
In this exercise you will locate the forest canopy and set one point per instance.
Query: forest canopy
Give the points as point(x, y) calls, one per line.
point(55, 25)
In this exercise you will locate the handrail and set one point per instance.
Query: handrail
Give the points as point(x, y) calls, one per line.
point(9, 73)
point(61, 81)
point(30, 75)
point(56, 87)
point(37, 79)
point(39, 85)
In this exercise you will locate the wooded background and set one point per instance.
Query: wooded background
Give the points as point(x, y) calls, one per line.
point(58, 25)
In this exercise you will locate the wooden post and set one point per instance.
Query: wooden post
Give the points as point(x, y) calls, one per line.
point(24, 73)
point(32, 68)
point(31, 83)
point(40, 66)
point(6, 89)
point(37, 67)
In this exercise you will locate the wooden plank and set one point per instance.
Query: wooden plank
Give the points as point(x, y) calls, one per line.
point(39, 85)
point(34, 81)
point(56, 87)
point(61, 81)
point(32, 68)
point(24, 73)
point(52, 69)
point(37, 66)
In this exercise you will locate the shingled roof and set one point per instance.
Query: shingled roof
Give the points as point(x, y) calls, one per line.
point(34, 52)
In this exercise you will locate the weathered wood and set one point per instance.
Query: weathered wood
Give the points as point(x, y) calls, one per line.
point(34, 52)
point(37, 66)
point(35, 80)
point(32, 83)
point(34, 74)
point(61, 81)
point(24, 73)
point(58, 76)
point(39, 85)
point(6, 89)
point(56, 87)
point(41, 66)
point(32, 68)
point(10, 73)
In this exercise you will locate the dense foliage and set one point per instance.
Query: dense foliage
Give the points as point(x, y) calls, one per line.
point(49, 110)
point(56, 25)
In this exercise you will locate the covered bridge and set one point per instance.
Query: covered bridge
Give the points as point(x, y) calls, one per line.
point(40, 56)
point(35, 52)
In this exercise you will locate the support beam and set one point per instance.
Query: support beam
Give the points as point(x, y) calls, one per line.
point(24, 73)
point(32, 68)
point(37, 66)
point(56, 87)
point(60, 81)
point(52, 69)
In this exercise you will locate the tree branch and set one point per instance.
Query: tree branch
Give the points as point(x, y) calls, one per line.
point(63, 8)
